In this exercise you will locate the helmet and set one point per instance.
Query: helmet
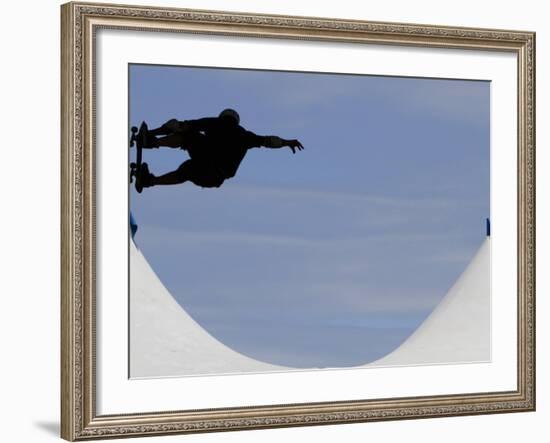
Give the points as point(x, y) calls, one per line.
point(230, 113)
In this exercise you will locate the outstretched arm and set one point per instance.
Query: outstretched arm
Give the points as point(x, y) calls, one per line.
point(274, 142)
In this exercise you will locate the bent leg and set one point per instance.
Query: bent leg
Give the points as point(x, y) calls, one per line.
point(191, 170)
point(169, 127)
point(180, 175)
point(172, 141)
point(169, 134)
point(184, 140)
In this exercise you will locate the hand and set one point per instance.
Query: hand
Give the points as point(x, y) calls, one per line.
point(295, 145)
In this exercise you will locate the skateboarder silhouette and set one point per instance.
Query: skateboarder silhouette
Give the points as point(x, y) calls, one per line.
point(216, 147)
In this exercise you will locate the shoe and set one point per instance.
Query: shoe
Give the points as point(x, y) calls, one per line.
point(144, 179)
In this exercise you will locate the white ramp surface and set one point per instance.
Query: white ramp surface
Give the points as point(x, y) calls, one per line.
point(459, 328)
point(165, 341)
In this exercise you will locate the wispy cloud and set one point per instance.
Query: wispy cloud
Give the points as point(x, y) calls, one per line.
point(366, 228)
point(465, 100)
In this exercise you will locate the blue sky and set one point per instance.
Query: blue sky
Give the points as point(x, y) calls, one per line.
point(334, 255)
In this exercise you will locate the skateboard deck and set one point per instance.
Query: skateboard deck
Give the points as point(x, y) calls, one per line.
point(138, 139)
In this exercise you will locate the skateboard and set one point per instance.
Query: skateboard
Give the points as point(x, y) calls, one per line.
point(138, 139)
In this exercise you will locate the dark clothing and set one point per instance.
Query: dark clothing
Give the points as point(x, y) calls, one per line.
point(220, 144)
point(201, 173)
point(216, 147)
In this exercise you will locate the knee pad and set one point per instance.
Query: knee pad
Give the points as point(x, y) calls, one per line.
point(171, 125)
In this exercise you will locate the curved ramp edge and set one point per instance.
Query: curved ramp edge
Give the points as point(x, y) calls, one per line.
point(459, 328)
point(165, 341)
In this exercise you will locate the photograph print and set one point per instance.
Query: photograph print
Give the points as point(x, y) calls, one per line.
point(289, 221)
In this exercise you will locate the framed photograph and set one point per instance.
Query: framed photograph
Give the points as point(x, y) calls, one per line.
point(277, 221)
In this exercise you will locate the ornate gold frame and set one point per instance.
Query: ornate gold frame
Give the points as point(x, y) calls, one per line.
point(79, 420)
